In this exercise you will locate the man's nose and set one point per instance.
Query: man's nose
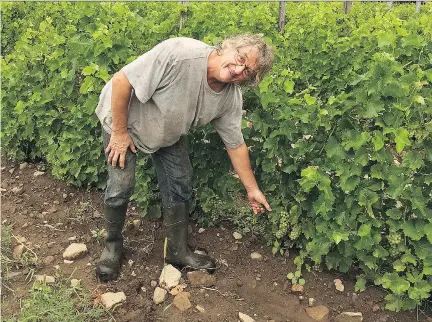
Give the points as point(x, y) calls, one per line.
point(239, 69)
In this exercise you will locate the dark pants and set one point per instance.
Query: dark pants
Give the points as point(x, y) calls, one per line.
point(174, 173)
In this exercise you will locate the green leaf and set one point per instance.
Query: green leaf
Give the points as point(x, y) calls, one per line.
point(90, 69)
point(420, 291)
point(360, 284)
point(412, 160)
point(310, 100)
point(414, 229)
point(301, 281)
point(339, 236)
point(401, 139)
point(399, 266)
point(378, 141)
point(395, 283)
point(386, 39)
point(428, 232)
point(290, 276)
point(289, 86)
point(394, 213)
point(364, 230)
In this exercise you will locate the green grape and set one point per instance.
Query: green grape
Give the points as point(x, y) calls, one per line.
point(295, 232)
point(394, 238)
point(283, 225)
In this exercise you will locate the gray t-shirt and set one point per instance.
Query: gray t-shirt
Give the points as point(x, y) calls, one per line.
point(171, 95)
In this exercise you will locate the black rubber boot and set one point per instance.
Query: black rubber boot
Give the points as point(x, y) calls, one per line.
point(176, 220)
point(110, 261)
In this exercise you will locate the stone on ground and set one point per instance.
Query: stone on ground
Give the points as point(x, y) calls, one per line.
point(237, 235)
point(169, 277)
point(339, 286)
point(38, 173)
point(256, 256)
point(74, 251)
point(201, 278)
point(177, 289)
point(349, 317)
point(318, 313)
point(159, 295)
point(24, 165)
point(110, 299)
point(201, 230)
point(18, 251)
point(297, 288)
point(153, 284)
point(45, 279)
point(75, 282)
point(245, 318)
point(181, 301)
point(311, 301)
point(200, 308)
point(17, 190)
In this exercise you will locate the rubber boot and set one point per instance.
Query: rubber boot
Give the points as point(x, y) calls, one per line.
point(178, 253)
point(110, 261)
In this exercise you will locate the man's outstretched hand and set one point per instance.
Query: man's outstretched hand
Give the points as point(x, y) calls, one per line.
point(258, 201)
point(117, 147)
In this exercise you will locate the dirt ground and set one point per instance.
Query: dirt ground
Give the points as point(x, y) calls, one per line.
point(47, 212)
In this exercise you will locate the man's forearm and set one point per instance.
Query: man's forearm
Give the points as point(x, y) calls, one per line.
point(241, 162)
point(121, 91)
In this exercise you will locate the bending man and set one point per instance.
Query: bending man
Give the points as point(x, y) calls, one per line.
point(150, 105)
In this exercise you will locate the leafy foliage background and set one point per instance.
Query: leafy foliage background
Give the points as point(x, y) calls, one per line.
point(340, 137)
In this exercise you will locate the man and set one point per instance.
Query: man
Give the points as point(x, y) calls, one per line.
point(151, 104)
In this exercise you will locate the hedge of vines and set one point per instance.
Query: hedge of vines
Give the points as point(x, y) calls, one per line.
point(339, 132)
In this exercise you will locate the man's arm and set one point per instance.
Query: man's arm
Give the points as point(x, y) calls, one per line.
point(240, 159)
point(120, 140)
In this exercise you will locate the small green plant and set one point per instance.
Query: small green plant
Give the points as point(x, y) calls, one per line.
point(295, 278)
point(59, 303)
point(98, 234)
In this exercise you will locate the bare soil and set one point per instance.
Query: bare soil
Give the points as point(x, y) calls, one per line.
point(47, 212)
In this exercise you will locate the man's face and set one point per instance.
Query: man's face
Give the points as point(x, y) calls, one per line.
point(238, 64)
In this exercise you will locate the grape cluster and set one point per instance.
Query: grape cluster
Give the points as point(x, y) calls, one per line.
point(295, 232)
point(283, 224)
point(394, 238)
point(394, 251)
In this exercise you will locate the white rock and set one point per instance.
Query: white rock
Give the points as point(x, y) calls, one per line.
point(200, 308)
point(338, 284)
point(110, 299)
point(245, 318)
point(200, 252)
point(75, 282)
point(72, 238)
point(38, 173)
point(311, 301)
point(169, 277)
point(18, 251)
point(74, 251)
point(45, 279)
point(256, 255)
point(17, 190)
point(23, 165)
point(136, 222)
point(11, 171)
point(153, 284)
point(159, 295)
point(349, 317)
point(66, 261)
point(237, 235)
point(201, 230)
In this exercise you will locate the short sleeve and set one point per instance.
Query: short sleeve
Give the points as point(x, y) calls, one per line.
point(150, 71)
point(228, 125)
